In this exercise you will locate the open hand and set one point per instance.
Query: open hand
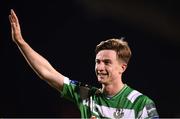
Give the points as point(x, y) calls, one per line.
point(15, 27)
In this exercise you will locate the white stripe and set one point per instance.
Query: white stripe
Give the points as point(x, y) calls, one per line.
point(85, 102)
point(143, 114)
point(91, 104)
point(133, 95)
point(66, 80)
point(108, 112)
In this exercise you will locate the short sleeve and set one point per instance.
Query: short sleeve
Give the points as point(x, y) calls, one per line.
point(149, 110)
point(70, 90)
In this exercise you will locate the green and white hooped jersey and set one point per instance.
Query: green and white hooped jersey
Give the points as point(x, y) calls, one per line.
point(128, 103)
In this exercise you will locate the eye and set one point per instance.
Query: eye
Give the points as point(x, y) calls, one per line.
point(107, 62)
point(97, 61)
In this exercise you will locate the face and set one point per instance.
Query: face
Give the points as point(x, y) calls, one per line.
point(108, 68)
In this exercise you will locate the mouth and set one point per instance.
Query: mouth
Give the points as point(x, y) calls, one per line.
point(101, 73)
point(101, 76)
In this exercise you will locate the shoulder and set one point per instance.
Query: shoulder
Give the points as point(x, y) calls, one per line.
point(143, 104)
point(136, 97)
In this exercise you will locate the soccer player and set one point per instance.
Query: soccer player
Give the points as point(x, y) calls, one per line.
point(114, 100)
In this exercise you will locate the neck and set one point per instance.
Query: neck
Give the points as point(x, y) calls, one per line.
point(112, 89)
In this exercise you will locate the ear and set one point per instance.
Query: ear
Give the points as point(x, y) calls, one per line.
point(123, 66)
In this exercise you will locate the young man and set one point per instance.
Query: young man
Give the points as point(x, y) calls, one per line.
point(114, 100)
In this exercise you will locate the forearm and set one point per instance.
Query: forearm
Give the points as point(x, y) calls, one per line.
point(38, 63)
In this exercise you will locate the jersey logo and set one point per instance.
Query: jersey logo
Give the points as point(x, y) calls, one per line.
point(119, 113)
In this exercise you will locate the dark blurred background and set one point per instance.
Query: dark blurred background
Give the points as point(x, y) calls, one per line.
point(66, 33)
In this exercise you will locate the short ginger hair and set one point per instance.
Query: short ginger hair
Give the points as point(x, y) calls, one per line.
point(119, 45)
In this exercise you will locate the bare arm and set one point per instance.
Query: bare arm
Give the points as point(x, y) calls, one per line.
point(39, 64)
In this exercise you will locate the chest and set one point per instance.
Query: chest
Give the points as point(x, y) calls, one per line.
point(110, 108)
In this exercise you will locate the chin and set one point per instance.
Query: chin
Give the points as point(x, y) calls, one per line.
point(102, 81)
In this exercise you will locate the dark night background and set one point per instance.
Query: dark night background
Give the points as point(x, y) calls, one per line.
point(66, 33)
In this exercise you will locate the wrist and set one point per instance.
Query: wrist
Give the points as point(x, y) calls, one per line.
point(20, 41)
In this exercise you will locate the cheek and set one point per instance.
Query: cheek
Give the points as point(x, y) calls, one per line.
point(109, 70)
point(117, 70)
point(95, 67)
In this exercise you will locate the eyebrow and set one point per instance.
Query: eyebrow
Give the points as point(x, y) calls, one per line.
point(103, 60)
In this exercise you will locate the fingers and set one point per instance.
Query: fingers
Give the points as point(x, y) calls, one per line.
point(10, 19)
point(13, 25)
point(13, 18)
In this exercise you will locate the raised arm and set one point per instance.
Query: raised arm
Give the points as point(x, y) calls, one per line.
point(39, 64)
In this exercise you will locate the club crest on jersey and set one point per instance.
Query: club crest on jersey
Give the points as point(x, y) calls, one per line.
point(119, 113)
